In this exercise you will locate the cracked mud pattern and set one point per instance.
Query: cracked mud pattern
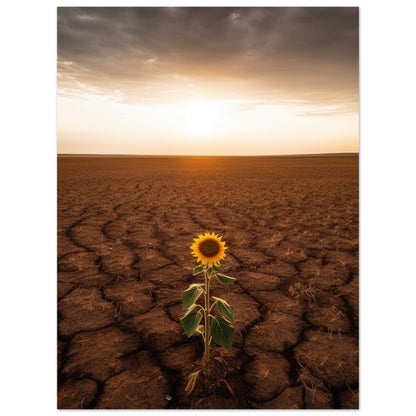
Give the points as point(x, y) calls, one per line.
point(124, 230)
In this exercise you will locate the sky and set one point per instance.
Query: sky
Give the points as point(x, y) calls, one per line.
point(207, 81)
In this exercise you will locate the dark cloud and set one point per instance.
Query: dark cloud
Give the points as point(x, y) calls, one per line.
point(308, 54)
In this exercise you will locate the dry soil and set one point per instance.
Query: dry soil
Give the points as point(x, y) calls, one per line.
point(124, 230)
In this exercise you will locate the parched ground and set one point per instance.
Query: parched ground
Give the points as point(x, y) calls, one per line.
point(124, 230)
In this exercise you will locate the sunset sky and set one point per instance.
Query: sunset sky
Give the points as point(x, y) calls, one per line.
point(207, 81)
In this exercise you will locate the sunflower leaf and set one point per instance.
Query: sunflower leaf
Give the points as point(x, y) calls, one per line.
point(225, 309)
point(222, 332)
point(219, 268)
point(198, 331)
point(190, 322)
point(225, 279)
point(198, 270)
point(190, 295)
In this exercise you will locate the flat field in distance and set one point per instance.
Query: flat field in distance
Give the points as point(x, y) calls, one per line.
point(125, 225)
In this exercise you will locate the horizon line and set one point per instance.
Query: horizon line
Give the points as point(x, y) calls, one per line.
point(196, 155)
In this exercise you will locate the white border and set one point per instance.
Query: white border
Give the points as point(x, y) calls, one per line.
point(387, 202)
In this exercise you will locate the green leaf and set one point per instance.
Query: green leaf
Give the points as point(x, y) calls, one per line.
point(190, 322)
point(219, 268)
point(225, 309)
point(222, 332)
point(198, 270)
point(225, 279)
point(190, 295)
point(198, 331)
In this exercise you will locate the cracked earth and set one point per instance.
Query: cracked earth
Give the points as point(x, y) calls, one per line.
point(124, 230)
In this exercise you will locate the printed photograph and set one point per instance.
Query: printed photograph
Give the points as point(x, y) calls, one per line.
point(207, 207)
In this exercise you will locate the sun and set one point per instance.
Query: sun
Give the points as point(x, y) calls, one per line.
point(201, 119)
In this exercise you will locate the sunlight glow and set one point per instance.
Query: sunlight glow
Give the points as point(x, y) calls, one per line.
point(202, 119)
point(92, 123)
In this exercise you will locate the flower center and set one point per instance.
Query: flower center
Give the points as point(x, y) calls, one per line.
point(209, 248)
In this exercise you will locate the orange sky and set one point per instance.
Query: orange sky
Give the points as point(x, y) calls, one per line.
point(207, 81)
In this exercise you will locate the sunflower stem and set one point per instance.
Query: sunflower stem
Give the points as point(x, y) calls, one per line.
point(206, 368)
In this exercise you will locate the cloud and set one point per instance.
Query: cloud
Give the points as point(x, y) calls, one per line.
point(270, 54)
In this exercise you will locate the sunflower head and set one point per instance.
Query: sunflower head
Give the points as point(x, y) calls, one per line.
point(208, 248)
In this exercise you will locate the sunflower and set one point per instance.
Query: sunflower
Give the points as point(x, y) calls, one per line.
point(208, 248)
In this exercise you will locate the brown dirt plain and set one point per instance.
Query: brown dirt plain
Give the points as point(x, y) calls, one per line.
point(124, 230)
